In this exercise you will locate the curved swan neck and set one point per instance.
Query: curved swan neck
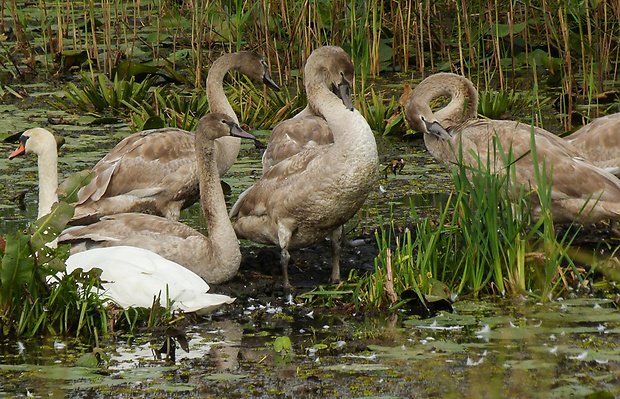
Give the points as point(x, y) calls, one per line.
point(463, 95)
point(215, 84)
point(227, 147)
point(225, 257)
point(352, 134)
point(354, 143)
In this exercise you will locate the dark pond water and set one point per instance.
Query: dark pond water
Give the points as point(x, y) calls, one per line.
point(503, 349)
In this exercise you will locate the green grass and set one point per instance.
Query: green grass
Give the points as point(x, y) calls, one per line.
point(483, 241)
point(30, 303)
point(37, 298)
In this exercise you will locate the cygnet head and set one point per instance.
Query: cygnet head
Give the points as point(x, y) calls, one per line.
point(420, 117)
point(35, 141)
point(216, 125)
point(332, 66)
point(255, 67)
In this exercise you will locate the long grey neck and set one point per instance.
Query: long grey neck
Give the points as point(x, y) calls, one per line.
point(227, 148)
point(215, 86)
point(225, 255)
point(354, 142)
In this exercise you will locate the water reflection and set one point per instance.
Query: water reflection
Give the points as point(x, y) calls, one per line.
point(495, 348)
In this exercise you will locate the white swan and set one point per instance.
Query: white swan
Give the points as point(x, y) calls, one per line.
point(154, 171)
point(134, 277)
point(599, 141)
point(580, 191)
point(44, 146)
point(309, 196)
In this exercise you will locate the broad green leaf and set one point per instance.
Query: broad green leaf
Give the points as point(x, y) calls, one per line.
point(47, 228)
point(71, 185)
point(503, 30)
point(87, 360)
point(128, 69)
point(17, 266)
point(282, 344)
point(153, 122)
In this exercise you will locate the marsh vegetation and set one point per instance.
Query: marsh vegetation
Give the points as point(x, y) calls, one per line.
point(96, 72)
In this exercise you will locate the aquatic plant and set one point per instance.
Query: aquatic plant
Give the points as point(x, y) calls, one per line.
point(492, 104)
point(169, 107)
point(33, 300)
point(484, 241)
point(263, 109)
point(99, 93)
point(379, 112)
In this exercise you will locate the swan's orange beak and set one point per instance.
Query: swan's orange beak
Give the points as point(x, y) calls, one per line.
point(19, 151)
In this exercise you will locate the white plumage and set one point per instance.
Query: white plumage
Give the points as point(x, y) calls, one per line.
point(133, 277)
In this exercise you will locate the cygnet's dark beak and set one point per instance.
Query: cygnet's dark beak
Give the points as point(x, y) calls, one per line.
point(435, 129)
point(343, 90)
point(268, 81)
point(236, 131)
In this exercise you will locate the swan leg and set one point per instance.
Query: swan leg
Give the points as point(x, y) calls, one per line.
point(336, 238)
point(284, 238)
point(613, 228)
point(284, 258)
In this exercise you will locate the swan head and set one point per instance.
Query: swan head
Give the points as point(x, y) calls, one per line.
point(267, 80)
point(36, 141)
point(462, 106)
point(331, 66)
point(216, 125)
point(420, 117)
point(255, 67)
